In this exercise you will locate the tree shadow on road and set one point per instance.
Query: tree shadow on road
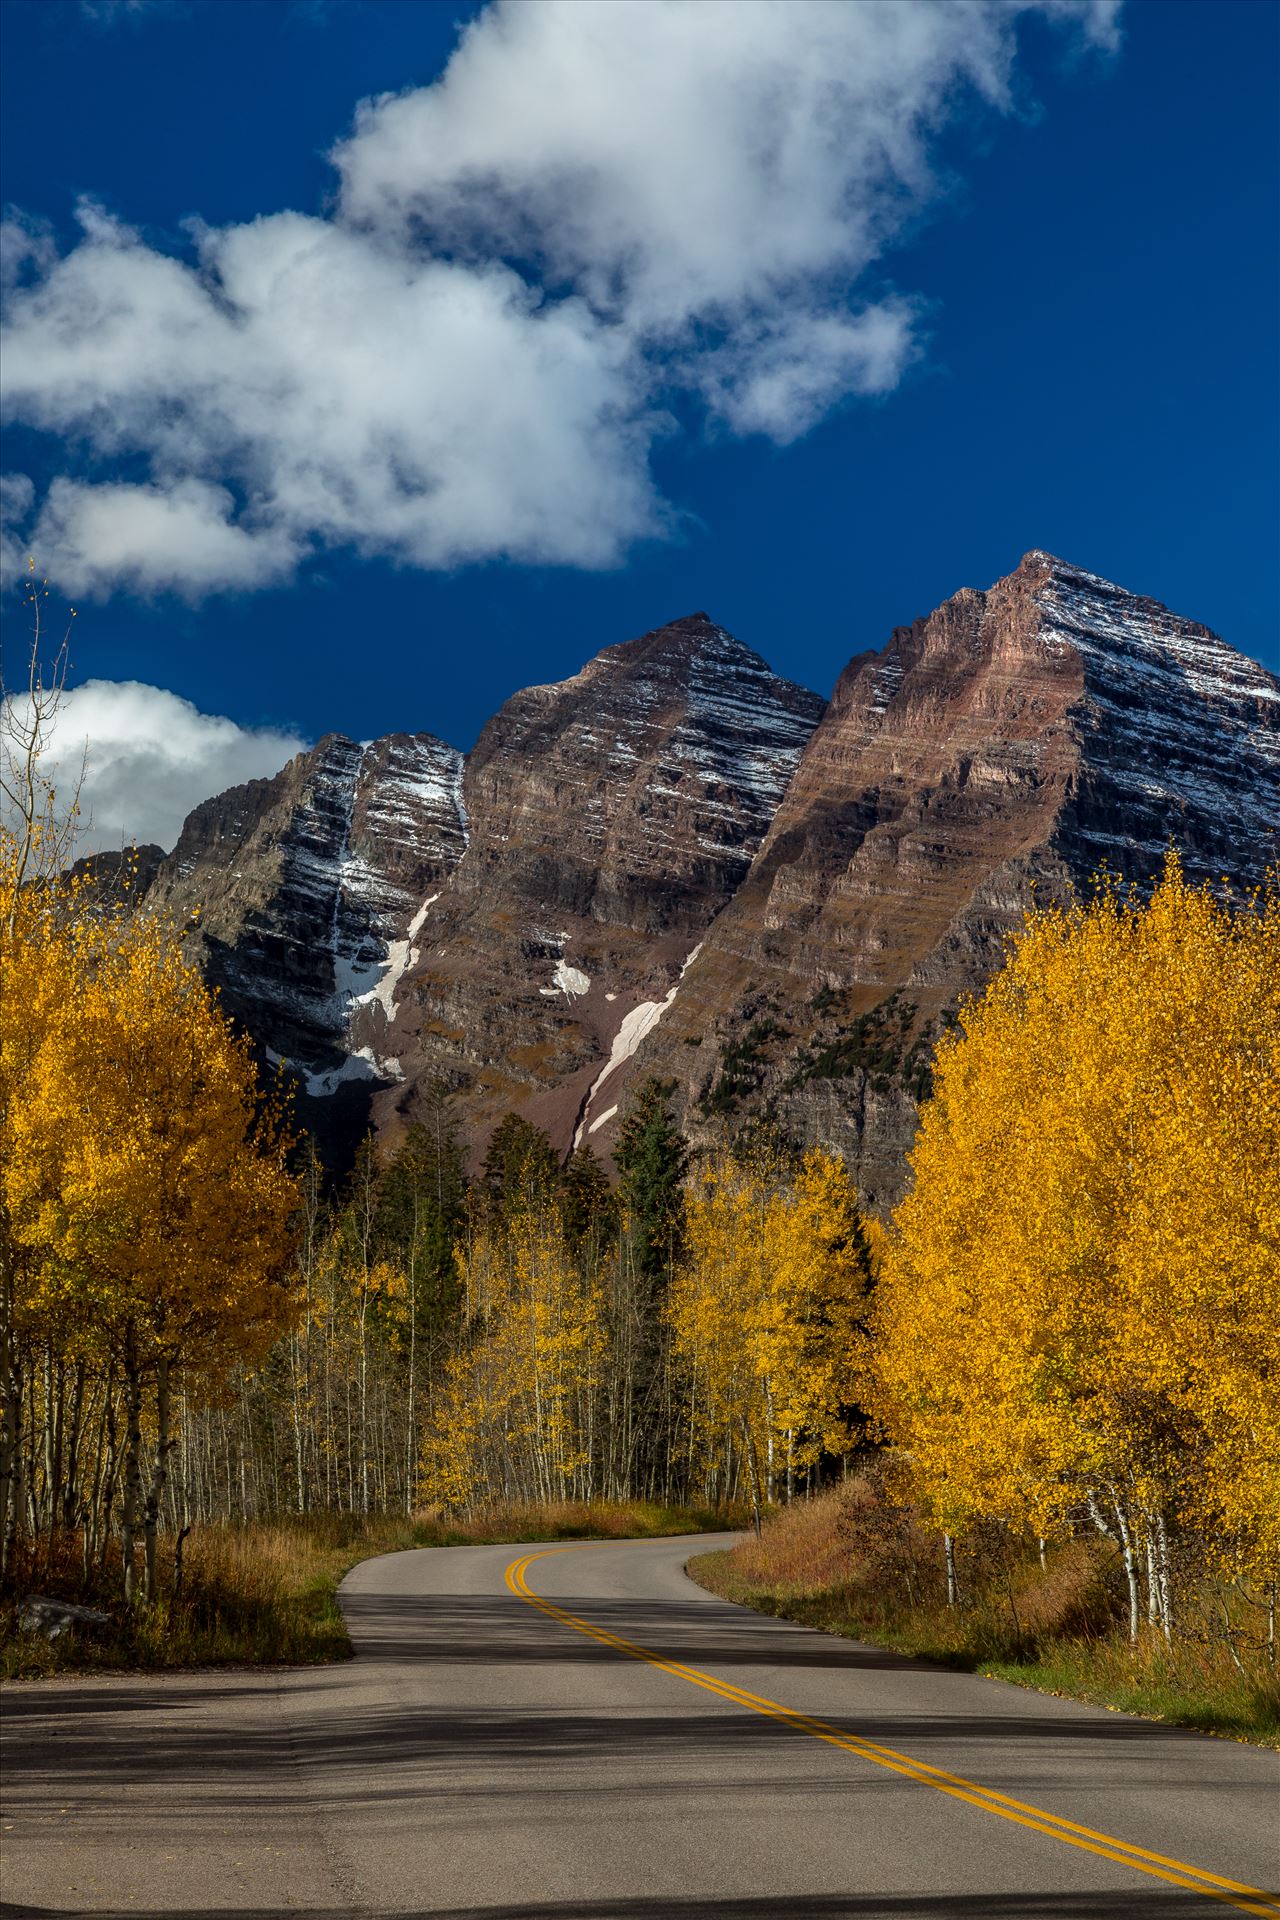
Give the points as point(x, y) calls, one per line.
point(1134, 1904)
point(493, 1628)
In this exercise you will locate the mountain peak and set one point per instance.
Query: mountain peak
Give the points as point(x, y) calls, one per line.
point(516, 922)
point(690, 633)
point(694, 642)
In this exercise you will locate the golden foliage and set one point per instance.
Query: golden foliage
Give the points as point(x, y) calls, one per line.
point(767, 1312)
point(145, 1203)
point(513, 1417)
point(138, 1174)
point(1081, 1297)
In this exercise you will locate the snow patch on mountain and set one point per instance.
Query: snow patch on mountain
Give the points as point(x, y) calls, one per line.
point(363, 1064)
point(401, 956)
point(635, 1026)
point(572, 982)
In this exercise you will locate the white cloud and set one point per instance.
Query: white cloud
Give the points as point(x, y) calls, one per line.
point(181, 537)
point(27, 248)
point(149, 757)
point(672, 159)
point(600, 206)
point(782, 381)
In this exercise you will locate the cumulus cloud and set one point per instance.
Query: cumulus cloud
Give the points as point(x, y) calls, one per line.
point(148, 758)
point(602, 210)
point(181, 537)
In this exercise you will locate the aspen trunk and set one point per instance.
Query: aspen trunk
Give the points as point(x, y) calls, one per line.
point(52, 1448)
point(1130, 1565)
point(299, 1473)
point(749, 1448)
point(112, 1470)
point(10, 1441)
point(131, 1510)
point(1163, 1576)
point(159, 1479)
point(93, 1502)
point(949, 1556)
point(72, 1503)
point(411, 1414)
point(178, 1563)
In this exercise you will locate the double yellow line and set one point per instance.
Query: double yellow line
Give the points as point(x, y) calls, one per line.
point(1230, 1892)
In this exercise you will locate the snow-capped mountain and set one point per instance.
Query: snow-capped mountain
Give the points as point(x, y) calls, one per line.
point(676, 861)
point(1179, 734)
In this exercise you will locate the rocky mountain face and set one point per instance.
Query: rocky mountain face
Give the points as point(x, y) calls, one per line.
point(384, 915)
point(677, 862)
point(302, 884)
point(611, 816)
point(1012, 742)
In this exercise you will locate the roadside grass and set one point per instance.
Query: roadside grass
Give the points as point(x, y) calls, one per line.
point(265, 1594)
point(852, 1563)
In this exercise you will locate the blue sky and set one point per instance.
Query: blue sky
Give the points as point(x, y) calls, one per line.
point(1050, 323)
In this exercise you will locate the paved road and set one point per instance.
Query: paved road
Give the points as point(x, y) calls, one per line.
point(484, 1756)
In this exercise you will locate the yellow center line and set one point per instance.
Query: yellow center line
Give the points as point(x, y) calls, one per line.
point(1231, 1892)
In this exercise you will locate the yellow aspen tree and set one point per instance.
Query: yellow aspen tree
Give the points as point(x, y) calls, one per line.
point(713, 1303)
point(513, 1417)
point(820, 1272)
point(1080, 1303)
point(40, 971)
point(766, 1311)
point(146, 1177)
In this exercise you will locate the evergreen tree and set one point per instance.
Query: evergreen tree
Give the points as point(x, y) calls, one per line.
point(588, 1208)
point(422, 1204)
point(651, 1157)
point(520, 1166)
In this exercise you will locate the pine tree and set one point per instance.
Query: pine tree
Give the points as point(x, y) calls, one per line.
point(520, 1166)
point(588, 1207)
point(422, 1205)
point(651, 1157)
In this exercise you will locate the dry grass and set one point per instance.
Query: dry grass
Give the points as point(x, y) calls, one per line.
point(801, 1551)
point(855, 1563)
point(266, 1594)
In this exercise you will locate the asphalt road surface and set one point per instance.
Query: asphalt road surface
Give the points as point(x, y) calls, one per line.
point(629, 1749)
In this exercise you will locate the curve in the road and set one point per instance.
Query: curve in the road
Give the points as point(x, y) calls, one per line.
point(1178, 1873)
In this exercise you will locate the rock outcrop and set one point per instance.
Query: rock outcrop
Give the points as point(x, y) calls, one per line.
point(388, 914)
